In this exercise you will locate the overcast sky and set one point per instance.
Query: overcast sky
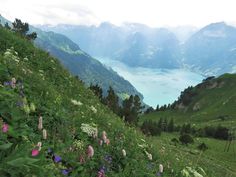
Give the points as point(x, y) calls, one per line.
point(154, 13)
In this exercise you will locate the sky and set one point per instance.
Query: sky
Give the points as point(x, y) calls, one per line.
point(154, 13)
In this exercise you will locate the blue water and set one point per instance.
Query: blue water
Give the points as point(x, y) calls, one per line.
point(158, 86)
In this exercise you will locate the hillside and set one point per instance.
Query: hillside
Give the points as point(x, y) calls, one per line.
point(211, 102)
point(37, 93)
point(81, 64)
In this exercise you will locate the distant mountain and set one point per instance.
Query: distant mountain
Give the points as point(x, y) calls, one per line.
point(212, 50)
point(183, 33)
point(132, 43)
point(81, 64)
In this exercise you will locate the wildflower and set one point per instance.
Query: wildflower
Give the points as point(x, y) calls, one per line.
point(108, 158)
point(90, 151)
point(93, 109)
point(35, 152)
point(107, 141)
point(81, 159)
point(104, 136)
point(40, 125)
point(100, 142)
point(39, 145)
point(123, 153)
point(5, 128)
point(101, 173)
point(95, 133)
point(50, 152)
point(90, 129)
point(44, 134)
point(161, 168)
point(149, 155)
point(7, 83)
point(76, 103)
point(13, 82)
point(57, 158)
point(65, 172)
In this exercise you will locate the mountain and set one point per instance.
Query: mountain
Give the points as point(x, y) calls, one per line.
point(212, 49)
point(183, 33)
point(209, 51)
point(37, 92)
point(132, 43)
point(82, 64)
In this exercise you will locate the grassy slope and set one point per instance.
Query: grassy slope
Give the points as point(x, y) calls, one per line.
point(50, 87)
point(214, 102)
point(214, 161)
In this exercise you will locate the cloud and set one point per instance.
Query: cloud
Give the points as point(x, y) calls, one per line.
point(52, 12)
point(149, 12)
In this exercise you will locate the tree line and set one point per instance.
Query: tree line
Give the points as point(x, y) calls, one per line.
point(128, 109)
point(154, 128)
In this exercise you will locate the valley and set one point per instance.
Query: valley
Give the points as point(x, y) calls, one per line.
point(158, 86)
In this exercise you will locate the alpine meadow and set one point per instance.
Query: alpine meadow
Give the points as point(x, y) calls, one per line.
point(117, 88)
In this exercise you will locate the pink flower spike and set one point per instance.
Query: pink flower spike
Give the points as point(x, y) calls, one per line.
point(107, 141)
point(90, 151)
point(35, 152)
point(5, 128)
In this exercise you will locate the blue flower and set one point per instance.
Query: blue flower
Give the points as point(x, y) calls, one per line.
point(65, 172)
point(108, 158)
point(57, 158)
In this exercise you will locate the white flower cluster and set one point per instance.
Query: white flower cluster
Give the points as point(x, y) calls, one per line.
point(90, 129)
point(11, 54)
point(75, 102)
point(93, 109)
point(78, 144)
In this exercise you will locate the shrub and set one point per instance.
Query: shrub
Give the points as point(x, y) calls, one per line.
point(186, 139)
point(202, 147)
point(175, 141)
point(150, 128)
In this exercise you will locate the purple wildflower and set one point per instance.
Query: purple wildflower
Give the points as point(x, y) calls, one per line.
point(158, 174)
point(57, 158)
point(7, 83)
point(65, 172)
point(108, 158)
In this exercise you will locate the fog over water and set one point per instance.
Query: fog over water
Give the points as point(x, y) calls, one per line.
point(158, 86)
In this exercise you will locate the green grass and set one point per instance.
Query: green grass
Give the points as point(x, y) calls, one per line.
point(214, 161)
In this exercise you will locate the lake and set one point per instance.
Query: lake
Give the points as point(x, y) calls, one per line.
point(158, 86)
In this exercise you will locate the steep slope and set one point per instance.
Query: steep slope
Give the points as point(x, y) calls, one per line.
point(212, 49)
point(37, 92)
point(132, 43)
point(211, 102)
point(80, 63)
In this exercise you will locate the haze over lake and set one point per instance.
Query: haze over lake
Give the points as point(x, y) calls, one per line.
point(158, 86)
